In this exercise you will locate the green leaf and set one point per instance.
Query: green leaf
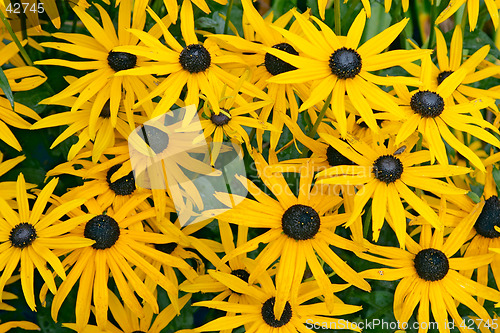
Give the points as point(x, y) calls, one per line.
point(474, 197)
point(215, 23)
point(5, 86)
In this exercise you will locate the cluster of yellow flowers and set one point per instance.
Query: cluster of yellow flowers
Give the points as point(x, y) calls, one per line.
point(330, 136)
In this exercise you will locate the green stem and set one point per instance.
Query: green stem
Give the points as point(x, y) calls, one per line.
point(416, 23)
point(482, 18)
point(338, 27)
point(430, 42)
point(228, 15)
point(351, 8)
point(367, 222)
point(321, 115)
point(24, 32)
point(318, 121)
point(15, 39)
point(397, 17)
point(252, 134)
point(464, 22)
point(156, 6)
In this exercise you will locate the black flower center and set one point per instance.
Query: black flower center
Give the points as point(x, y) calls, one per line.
point(22, 235)
point(269, 317)
point(241, 273)
point(427, 103)
point(195, 58)
point(219, 119)
point(489, 218)
point(300, 222)
point(155, 138)
point(387, 168)
point(335, 158)
point(275, 65)
point(104, 230)
point(431, 264)
point(120, 61)
point(167, 248)
point(106, 110)
point(122, 186)
point(345, 63)
point(443, 75)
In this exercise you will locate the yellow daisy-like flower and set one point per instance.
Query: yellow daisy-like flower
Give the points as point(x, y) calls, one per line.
point(387, 173)
point(105, 61)
point(260, 315)
point(235, 114)
point(485, 235)
point(430, 110)
point(301, 230)
point(119, 245)
point(258, 33)
point(472, 11)
point(340, 65)
point(453, 63)
point(26, 237)
point(129, 322)
point(195, 65)
point(429, 276)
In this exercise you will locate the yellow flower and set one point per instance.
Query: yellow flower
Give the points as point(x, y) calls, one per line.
point(387, 173)
point(301, 230)
point(195, 65)
point(431, 110)
point(235, 114)
point(429, 275)
point(453, 63)
point(260, 314)
point(119, 243)
point(26, 237)
point(338, 65)
point(485, 235)
point(105, 61)
point(258, 33)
